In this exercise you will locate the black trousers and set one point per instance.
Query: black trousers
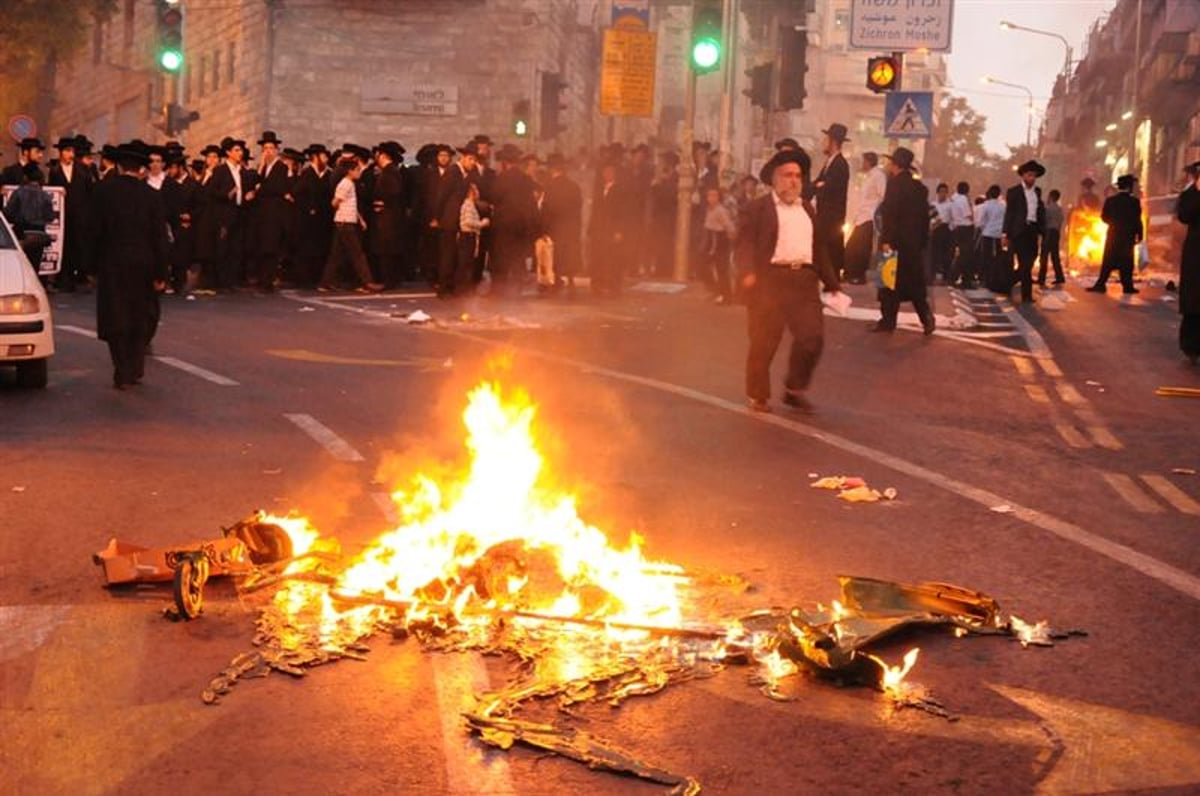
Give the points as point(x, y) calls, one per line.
point(783, 298)
point(128, 352)
point(347, 247)
point(858, 251)
point(1189, 334)
point(446, 242)
point(716, 254)
point(942, 246)
point(1051, 243)
point(1025, 249)
point(469, 247)
point(1120, 261)
point(227, 259)
point(965, 266)
point(889, 307)
point(829, 245)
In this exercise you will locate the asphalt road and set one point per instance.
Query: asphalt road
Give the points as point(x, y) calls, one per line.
point(1051, 414)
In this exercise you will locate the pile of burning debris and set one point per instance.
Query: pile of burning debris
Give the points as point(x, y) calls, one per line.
point(500, 562)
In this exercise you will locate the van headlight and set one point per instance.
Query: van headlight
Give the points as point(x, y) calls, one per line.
point(19, 304)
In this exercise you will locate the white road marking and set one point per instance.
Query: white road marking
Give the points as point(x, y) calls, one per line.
point(1131, 493)
point(1023, 366)
point(381, 297)
point(196, 370)
point(1069, 394)
point(1071, 435)
point(386, 506)
point(1051, 368)
point(79, 330)
point(1181, 500)
point(1105, 438)
point(1173, 577)
point(186, 367)
point(1033, 339)
point(1037, 393)
point(24, 628)
point(338, 447)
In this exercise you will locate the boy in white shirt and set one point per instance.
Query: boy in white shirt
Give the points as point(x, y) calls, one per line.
point(348, 227)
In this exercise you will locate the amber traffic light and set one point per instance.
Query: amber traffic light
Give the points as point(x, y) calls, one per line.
point(883, 73)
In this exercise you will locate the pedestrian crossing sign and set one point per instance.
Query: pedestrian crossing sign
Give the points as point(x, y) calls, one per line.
point(908, 114)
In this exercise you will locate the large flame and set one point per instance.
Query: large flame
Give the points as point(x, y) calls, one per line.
point(1087, 233)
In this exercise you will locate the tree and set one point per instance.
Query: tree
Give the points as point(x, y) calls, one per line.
point(956, 151)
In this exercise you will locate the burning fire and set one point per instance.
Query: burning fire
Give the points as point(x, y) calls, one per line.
point(1087, 233)
point(893, 676)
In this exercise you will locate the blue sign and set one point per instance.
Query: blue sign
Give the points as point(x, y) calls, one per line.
point(908, 114)
point(21, 126)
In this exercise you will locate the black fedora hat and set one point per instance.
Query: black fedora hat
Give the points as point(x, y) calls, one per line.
point(786, 143)
point(482, 138)
point(212, 149)
point(472, 148)
point(316, 149)
point(131, 155)
point(30, 143)
point(837, 132)
point(269, 137)
point(1031, 166)
point(392, 149)
point(67, 142)
point(1125, 182)
point(292, 154)
point(797, 156)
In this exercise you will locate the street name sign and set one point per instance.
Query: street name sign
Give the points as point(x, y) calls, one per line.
point(908, 114)
point(901, 25)
point(405, 97)
point(627, 72)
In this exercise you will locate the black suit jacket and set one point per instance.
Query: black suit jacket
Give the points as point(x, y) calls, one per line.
point(832, 185)
point(1123, 214)
point(1016, 213)
point(758, 232)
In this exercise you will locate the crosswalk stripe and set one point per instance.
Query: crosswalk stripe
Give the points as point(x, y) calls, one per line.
point(1071, 435)
point(1105, 438)
point(1023, 366)
point(1051, 368)
point(1069, 394)
point(1172, 494)
point(1037, 393)
point(1129, 491)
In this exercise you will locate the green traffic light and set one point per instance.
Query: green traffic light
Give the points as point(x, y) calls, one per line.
point(706, 53)
point(170, 60)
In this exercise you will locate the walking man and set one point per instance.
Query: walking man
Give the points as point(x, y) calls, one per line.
point(1188, 213)
point(129, 237)
point(782, 283)
point(1051, 241)
point(830, 191)
point(1123, 214)
point(862, 239)
point(272, 213)
point(962, 236)
point(904, 229)
point(77, 184)
point(1024, 217)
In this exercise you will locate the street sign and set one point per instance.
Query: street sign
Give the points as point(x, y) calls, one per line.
point(901, 25)
point(21, 126)
point(406, 97)
point(52, 255)
point(627, 73)
point(908, 114)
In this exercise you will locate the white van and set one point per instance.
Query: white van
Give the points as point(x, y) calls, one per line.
point(26, 328)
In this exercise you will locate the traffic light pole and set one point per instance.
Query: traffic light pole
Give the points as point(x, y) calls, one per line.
point(729, 84)
point(687, 182)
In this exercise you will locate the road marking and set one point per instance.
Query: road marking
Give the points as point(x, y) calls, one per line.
point(383, 297)
point(1071, 435)
point(1105, 438)
point(1035, 341)
point(24, 628)
point(1023, 366)
point(186, 367)
point(1172, 494)
point(1069, 394)
point(304, 355)
point(79, 330)
point(387, 506)
point(196, 370)
point(1131, 493)
point(1051, 368)
point(1037, 393)
point(338, 447)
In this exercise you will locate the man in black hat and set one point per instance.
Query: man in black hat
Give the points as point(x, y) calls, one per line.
point(29, 150)
point(225, 192)
point(904, 230)
point(129, 238)
point(386, 242)
point(179, 193)
point(664, 207)
point(782, 283)
point(314, 211)
point(1024, 219)
point(272, 208)
point(1123, 214)
point(437, 249)
point(829, 190)
point(76, 181)
point(514, 224)
point(562, 219)
point(1187, 210)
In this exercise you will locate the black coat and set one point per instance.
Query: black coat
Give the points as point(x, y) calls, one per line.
point(272, 211)
point(758, 234)
point(179, 202)
point(832, 185)
point(1188, 212)
point(14, 174)
point(1016, 212)
point(562, 219)
point(1123, 214)
point(130, 242)
point(387, 217)
point(514, 212)
point(314, 213)
point(446, 194)
point(904, 225)
point(78, 195)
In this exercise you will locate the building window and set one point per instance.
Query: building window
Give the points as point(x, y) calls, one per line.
point(216, 71)
point(130, 19)
point(200, 76)
point(231, 64)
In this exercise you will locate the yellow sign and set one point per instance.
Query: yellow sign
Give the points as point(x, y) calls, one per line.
point(627, 73)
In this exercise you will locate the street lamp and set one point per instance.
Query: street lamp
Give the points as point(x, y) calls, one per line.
point(1006, 25)
point(1029, 123)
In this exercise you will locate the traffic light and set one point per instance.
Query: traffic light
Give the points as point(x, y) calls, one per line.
point(169, 49)
point(760, 85)
point(706, 36)
point(550, 123)
point(883, 73)
point(522, 110)
point(793, 64)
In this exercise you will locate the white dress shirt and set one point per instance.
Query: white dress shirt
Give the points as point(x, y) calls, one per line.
point(236, 171)
point(155, 181)
point(870, 194)
point(1031, 203)
point(67, 169)
point(961, 211)
point(943, 211)
point(795, 241)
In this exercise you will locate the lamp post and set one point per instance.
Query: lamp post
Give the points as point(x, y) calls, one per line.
point(1006, 25)
point(1028, 109)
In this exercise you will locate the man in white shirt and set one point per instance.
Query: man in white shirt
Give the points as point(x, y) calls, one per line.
point(962, 234)
point(941, 245)
point(782, 283)
point(871, 186)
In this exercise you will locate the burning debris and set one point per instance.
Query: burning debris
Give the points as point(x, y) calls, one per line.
point(501, 562)
point(853, 489)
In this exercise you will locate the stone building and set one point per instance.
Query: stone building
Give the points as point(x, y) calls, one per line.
point(330, 71)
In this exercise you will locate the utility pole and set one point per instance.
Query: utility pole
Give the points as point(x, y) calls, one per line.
point(729, 83)
point(687, 181)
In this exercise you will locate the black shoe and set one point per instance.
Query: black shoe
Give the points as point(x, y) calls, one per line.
point(1058, 282)
point(882, 327)
point(798, 402)
point(1097, 289)
point(929, 325)
point(1133, 291)
point(758, 405)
